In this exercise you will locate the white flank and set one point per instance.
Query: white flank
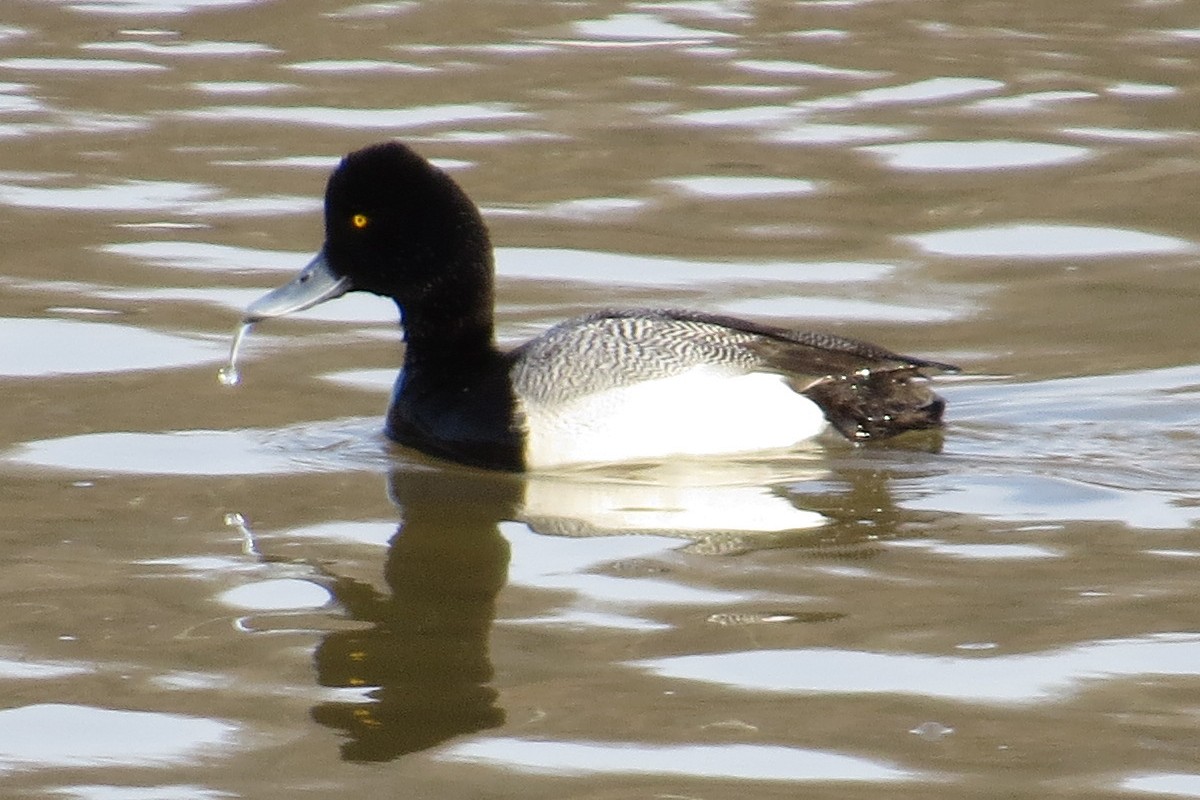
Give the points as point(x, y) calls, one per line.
point(703, 412)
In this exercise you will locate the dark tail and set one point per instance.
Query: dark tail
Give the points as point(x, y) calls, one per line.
point(878, 404)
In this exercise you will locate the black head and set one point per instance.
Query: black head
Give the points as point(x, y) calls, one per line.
point(397, 226)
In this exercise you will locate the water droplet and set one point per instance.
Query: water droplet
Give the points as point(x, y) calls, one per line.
point(228, 375)
point(235, 520)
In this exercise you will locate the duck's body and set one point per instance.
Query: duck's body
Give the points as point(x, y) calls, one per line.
point(619, 385)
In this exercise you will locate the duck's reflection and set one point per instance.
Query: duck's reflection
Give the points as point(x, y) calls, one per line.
point(421, 669)
point(426, 651)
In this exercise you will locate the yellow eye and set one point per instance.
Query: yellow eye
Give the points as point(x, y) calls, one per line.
point(359, 221)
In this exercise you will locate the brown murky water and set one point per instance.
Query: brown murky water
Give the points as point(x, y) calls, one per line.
point(213, 592)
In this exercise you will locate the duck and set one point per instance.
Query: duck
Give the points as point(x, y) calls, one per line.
point(616, 385)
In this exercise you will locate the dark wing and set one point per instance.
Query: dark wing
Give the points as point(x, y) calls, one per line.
point(793, 352)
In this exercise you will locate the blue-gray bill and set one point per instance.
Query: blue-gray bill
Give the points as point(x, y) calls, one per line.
point(314, 284)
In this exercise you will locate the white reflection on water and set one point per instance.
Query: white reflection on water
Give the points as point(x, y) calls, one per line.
point(999, 154)
point(748, 116)
point(1176, 784)
point(1128, 89)
point(1047, 241)
point(729, 187)
point(807, 306)
point(807, 69)
point(378, 532)
point(1164, 398)
point(242, 87)
point(278, 594)
point(624, 269)
point(89, 65)
point(154, 196)
point(703, 9)
point(360, 66)
point(720, 761)
point(1041, 498)
point(1105, 447)
point(369, 10)
point(357, 308)
point(589, 618)
point(271, 205)
point(640, 29)
point(975, 551)
point(567, 564)
point(1126, 134)
point(1033, 101)
point(330, 446)
point(48, 347)
point(53, 735)
point(198, 565)
point(362, 118)
point(88, 123)
point(586, 208)
point(171, 792)
point(570, 526)
point(571, 565)
point(323, 163)
point(176, 453)
point(828, 133)
point(677, 497)
point(140, 7)
point(14, 99)
point(1185, 34)
point(127, 195)
point(207, 256)
point(756, 89)
point(26, 669)
point(982, 678)
point(370, 380)
point(209, 49)
point(931, 90)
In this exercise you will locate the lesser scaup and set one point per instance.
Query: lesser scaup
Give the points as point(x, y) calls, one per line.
point(615, 385)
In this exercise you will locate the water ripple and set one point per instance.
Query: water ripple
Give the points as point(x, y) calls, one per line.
point(1037, 240)
point(625, 269)
point(382, 118)
point(91, 65)
point(999, 154)
point(144, 7)
point(743, 762)
point(188, 49)
point(1001, 679)
point(73, 736)
point(49, 347)
point(359, 66)
point(640, 30)
point(1174, 784)
point(332, 446)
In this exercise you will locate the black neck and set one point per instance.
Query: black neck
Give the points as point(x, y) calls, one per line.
point(451, 322)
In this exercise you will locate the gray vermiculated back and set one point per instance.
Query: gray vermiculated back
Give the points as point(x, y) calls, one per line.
point(598, 352)
point(615, 348)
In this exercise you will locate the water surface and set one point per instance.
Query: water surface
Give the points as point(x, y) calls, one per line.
point(215, 592)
